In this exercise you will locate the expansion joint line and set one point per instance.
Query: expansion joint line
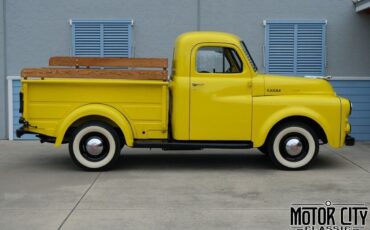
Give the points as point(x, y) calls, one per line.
point(78, 202)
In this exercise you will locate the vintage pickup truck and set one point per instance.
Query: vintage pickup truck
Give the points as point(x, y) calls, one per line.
point(214, 98)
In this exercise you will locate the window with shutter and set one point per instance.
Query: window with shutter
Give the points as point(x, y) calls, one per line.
point(102, 38)
point(295, 47)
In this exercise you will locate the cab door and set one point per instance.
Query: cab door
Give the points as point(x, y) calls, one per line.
point(220, 94)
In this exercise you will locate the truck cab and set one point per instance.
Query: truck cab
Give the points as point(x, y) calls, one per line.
point(214, 98)
point(212, 88)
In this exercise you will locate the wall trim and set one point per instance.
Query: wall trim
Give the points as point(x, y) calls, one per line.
point(299, 21)
point(10, 107)
point(361, 5)
point(349, 78)
point(13, 77)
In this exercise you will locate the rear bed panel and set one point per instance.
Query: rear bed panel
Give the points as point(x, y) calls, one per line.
point(143, 102)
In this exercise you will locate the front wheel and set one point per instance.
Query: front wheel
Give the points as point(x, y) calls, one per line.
point(293, 146)
point(94, 146)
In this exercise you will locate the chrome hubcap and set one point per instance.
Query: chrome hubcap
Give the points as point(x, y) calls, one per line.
point(293, 146)
point(94, 146)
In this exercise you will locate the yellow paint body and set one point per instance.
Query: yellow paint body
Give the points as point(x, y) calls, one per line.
point(225, 107)
point(138, 108)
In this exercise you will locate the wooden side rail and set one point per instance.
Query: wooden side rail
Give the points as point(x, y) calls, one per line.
point(109, 62)
point(123, 68)
point(94, 73)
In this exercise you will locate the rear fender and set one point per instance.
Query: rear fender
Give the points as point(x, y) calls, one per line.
point(96, 110)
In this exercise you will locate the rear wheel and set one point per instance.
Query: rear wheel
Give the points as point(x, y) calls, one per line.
point(95, 146)
point(293, 146)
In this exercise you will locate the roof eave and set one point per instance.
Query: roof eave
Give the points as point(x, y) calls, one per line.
point(362, 6)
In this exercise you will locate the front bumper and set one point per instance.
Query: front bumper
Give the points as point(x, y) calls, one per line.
point(349, 141)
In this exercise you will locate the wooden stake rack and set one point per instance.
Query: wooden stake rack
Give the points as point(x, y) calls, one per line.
point(91, 67)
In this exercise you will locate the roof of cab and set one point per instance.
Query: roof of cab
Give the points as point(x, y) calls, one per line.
point(192, 38)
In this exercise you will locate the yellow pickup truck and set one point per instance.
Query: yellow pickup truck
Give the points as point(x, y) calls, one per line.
point(214, 98)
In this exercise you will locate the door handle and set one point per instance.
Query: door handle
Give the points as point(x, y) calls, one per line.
point(197, 83)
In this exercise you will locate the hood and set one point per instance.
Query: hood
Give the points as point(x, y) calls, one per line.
point(286, 85)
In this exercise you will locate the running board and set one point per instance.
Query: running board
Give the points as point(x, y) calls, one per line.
point(192, 145)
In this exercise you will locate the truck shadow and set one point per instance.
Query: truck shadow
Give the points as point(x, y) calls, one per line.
point(209, 161)
point(193, 161)
point(158, 160)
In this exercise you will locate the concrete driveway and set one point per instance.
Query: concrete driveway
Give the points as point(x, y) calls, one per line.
point(40, 188)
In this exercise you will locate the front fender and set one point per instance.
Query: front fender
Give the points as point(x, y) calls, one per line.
point(265, 118)
point(98, 110)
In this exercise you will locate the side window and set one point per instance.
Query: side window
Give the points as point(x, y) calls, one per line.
point(213, 59)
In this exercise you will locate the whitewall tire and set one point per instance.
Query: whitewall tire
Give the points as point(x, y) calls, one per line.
point(94, 146)
point(293, 146)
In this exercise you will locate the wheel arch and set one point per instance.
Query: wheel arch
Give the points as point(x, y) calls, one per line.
point(305, 120)
point(93, 112)
point(315, 121)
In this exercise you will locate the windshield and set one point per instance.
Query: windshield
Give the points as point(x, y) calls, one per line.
point(249, 56)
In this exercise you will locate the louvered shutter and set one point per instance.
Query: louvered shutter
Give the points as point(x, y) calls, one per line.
point(310, 49)
point(295, 47)
point(102, 38)
point(280, 48)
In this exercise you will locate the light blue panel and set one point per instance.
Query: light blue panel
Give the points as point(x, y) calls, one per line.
point(360, 121)
point(16, 114)
point(360, 91)
point(105, 38)
point(359, 94)
point(295, 47)
point(360, 112)
point(361, 136)
point(352, 84)
point(356, 98)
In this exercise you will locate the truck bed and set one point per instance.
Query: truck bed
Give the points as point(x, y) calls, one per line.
point(50, 95)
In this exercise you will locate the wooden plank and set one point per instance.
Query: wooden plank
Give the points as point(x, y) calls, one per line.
point(109, 62)
point(95, 73)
